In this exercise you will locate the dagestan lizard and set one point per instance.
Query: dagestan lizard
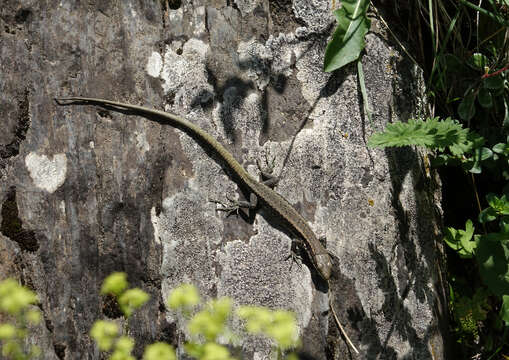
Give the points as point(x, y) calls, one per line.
point(259, 191)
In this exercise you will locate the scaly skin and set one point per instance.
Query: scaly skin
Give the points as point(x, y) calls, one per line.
point(318, 254)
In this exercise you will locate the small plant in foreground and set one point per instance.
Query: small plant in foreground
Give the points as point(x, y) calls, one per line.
point(206, 323)
point(16, 304)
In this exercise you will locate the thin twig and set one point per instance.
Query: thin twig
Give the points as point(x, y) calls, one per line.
point(348, 341)
point(477, 198)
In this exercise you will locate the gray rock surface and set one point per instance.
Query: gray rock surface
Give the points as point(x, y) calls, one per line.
point(85, 191)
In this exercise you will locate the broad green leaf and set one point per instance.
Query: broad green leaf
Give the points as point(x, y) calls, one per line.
point(492, 255)
point(348, 39)
point(505, 123)
point(494, 82)
point(503, 224)
point(462, 241)
point(487, 215)
point(480, 154)
point(466, 109)
point(504, 311)
point(499, 204)
point(478, 61)
point(499, 148)
point(485, 98)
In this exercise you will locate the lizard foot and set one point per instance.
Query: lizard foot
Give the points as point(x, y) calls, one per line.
point(232, 207)
point(267, 170)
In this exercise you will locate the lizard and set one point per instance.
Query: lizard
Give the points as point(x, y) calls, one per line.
point(259, 190)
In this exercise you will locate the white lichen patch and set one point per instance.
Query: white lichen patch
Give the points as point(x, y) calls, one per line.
point(155, 224)
point(45, 173)
point(154, 64)
point(141, 142)
point(185, 71)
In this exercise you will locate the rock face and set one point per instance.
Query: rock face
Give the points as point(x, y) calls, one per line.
point(86, 191)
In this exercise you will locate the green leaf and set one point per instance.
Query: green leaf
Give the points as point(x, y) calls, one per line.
point(186, 295)
point(466, 109)
point(131, 300)
point(15, 298)
point(485, 98)
point(211, 321)
point(504, 311)
point(281, 326)
point(7, 331)
point(494, 82)
point(104, 332)
point(480, 154)
point(499, 204)
point(283, 329)
point(487, 215)
point(114, 284)
point(123, 348)
point(213, 351)
point(431, 133)
point(478, 61)
point(473, 141)
point(492, 255)
point(499, 148)
point(159, 351)
point(461, 240)
point(348, 39)
point(505, 123)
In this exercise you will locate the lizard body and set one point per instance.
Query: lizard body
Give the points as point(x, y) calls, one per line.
point(318, 254)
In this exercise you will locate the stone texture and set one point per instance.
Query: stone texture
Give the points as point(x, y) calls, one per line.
point(85, 191)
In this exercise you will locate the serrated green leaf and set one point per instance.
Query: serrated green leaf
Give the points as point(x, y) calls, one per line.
point(466, 109)
point(348, 39)
point(472, 142)
point(431, 133)
point(485, 98)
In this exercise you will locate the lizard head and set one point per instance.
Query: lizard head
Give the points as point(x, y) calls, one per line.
point(324, 265)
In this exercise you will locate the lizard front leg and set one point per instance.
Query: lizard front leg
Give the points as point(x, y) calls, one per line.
point(234, 205)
